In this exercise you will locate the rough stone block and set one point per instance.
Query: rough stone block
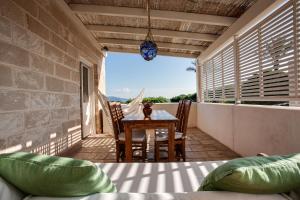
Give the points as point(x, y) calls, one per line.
point(5, 29)
point(20, 36)
point(3, 146)
point(41, 64)
point(12, 11)
point(15, 143)
point(33, 138)
point(74, 113)
point(43, 100)
point(71, 87)
point(58, 42)
point(62, 71)
point(75, 76)
point(29, 6)
point(40, 100)
point(49, 21)
point(35, 44)
point(25, 39)
point(72, 51)
point(53, 53)
point(11, 122)
point(69, 36)
point(37, 118)
point(54, 84)
point(72, 127)
point(37, 28)
point(13, 55)
point(71, 62)
point(55, 131)
point(60, 100)
point(75, 100)
point(59, 115)
point(6, 76)
point(14, 100)
point(29, 80)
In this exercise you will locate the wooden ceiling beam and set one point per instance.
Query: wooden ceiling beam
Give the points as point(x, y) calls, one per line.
point(155, 14)
point(155, 32)
point(136, 43)
point(160, 53)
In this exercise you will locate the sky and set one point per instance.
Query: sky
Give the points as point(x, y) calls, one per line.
point(127, 74)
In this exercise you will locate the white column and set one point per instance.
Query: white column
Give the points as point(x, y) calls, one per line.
point(198, 82)
point(236, 70)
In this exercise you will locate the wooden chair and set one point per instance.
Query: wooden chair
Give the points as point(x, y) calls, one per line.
point(139, 140)
point(120, 115)
point(178, 116)
point(161, 139)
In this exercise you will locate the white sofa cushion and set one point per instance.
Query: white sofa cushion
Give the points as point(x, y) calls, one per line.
point(170, 196)
point(9, 192)
point(158, 177)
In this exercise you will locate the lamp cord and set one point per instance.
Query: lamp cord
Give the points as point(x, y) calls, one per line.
point(149, 34)
point(148, 10)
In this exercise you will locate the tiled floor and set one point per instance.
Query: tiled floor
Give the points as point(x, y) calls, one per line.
point(199, 147)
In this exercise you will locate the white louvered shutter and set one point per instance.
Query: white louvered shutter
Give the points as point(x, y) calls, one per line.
point(218, 77)
point(277, 54)
point(297, 41)
point(268, 62)
point(204, 82)
point(266, 58)
point(228, 72)
point(210, 80)
point(249, 65)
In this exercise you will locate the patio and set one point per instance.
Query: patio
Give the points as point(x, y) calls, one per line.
point(200, 147)
point(52, 76)
point(52, 65)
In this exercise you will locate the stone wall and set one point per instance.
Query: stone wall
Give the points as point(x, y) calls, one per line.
point(40, 51)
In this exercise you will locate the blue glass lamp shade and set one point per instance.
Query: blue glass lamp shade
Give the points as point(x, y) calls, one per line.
point(148, 50)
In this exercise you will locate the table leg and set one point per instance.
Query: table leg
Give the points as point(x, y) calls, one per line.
point(128, 143)
point(171, 138)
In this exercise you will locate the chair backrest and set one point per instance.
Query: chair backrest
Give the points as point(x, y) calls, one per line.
point(179, 108)
point(114, 118)
point(120, 115)
point(179, 114)
point(185, 116)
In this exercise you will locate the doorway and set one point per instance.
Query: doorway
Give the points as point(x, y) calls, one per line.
point(87, 100)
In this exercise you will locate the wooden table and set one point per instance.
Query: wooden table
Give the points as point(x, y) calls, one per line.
point(159, 119)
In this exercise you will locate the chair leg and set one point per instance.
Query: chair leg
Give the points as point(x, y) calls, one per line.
point(117, 152)
point(144, 153)
point(156, 152)
point(183, 150)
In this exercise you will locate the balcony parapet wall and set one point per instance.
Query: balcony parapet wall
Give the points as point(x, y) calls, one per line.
point(249, 129)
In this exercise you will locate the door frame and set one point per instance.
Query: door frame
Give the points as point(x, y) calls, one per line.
point(85, 63)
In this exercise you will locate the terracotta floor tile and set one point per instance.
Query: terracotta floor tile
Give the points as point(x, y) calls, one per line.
point(199, 147)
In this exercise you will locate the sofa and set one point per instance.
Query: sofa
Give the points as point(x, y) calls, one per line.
point(151, 181)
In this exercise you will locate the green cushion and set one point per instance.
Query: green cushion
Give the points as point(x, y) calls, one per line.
point(44, 175)
point(274, 174)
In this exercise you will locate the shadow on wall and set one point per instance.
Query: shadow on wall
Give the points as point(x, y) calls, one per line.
point(54, 142)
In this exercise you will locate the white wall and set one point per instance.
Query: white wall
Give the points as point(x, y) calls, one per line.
point(249, 129)
point(172, 108)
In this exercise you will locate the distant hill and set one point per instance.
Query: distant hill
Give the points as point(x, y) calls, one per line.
point(119, 99)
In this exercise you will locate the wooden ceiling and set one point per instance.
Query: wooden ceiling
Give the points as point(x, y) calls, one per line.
point(182, 28)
